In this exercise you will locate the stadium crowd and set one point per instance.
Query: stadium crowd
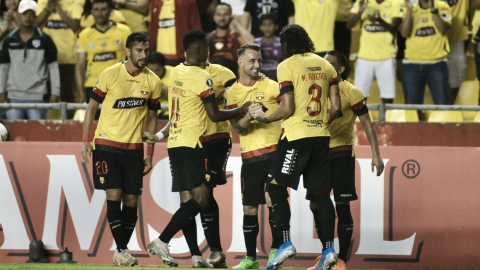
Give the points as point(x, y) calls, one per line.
point(419, 42)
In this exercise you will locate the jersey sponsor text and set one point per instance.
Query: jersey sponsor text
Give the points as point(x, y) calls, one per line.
point(129, 103)
point(105, 56)
point(425, 32)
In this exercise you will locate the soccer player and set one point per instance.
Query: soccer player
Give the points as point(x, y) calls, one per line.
point(306, 81)
point(257, 141)
point(217, 144)
point(191, 98)
point(342, 157)
point(98, 47)
point(130, 94)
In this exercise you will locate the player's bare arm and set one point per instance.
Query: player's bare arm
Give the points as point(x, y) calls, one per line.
point(219, 97)
point(153, 138)
point(240, 123)
point(336, 104)
point(354, 18)
point(377, 160)
point(151, 127)
point(217, 115)
point(407, 24)
point(69, 21)
point(390, 27)
point(284, 110)
point(87, 128)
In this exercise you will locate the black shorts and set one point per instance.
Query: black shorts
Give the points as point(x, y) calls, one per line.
point(217, 151)
point(308, 157)
point(114, 170)
point(254, 180)
point(342, 178)
point(187, 166)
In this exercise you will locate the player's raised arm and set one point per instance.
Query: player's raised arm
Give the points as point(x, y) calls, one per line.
point(372, 138)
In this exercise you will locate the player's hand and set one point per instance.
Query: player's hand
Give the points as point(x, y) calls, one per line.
point(147, 162)
point(86, 151)
point(149, 137)
point(252, 109)
point(219, 97)
point(377, 162)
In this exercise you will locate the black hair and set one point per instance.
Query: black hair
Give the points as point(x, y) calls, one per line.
point(295, 40)
point(248, 45)
point(225, 4)
point(156, 58)
point(136, 38)
point(228, 63)
point(342, 59)
point(270, 16)
point(3, 7)
point(88, 5)
point(191, 37)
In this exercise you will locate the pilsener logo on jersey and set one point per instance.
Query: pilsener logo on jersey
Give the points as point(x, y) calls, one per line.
point(425, 32)
point(56, 25)
point(104, 56)
point(166, 23)
point(129, 103)
point(374, 28)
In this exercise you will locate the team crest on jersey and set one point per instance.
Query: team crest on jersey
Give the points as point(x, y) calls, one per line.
point(118, 42)
point(260, 95)
point(91, 45)
point(424, 20)
point(303, 79)
point(102, 180)
point(144, 90)
point(209, 83)
point(36, 43)
point(219, 45)
point(104, 44)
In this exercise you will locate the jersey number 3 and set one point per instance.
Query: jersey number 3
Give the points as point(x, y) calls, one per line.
point(174, 113)
point(316, 91)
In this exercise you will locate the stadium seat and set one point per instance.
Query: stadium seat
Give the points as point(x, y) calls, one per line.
point(79, 115)
point(53, 114)
point(468, 95)
point(445, 117)
point(477, 117)
point(401, 116)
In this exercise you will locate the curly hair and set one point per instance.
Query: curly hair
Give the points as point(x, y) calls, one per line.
point(295, 40)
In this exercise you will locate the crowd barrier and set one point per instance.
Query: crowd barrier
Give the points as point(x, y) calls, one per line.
point(416, 215)
point(381, 108)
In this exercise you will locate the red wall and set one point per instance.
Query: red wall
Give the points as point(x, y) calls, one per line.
point(389, 134)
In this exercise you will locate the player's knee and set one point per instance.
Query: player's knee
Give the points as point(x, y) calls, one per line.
point(114, 194)
point(277, 192)
point(250, 210)
point(130, 200)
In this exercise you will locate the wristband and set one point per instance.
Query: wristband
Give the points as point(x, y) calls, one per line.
point(150, 151)
point(86, 137)
point(160, 136)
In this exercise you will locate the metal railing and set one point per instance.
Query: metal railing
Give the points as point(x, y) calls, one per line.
point(63, 107)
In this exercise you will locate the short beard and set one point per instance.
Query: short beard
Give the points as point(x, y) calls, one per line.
point(223, 27)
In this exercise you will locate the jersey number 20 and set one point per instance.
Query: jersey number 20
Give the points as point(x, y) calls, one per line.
point(316, 91)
